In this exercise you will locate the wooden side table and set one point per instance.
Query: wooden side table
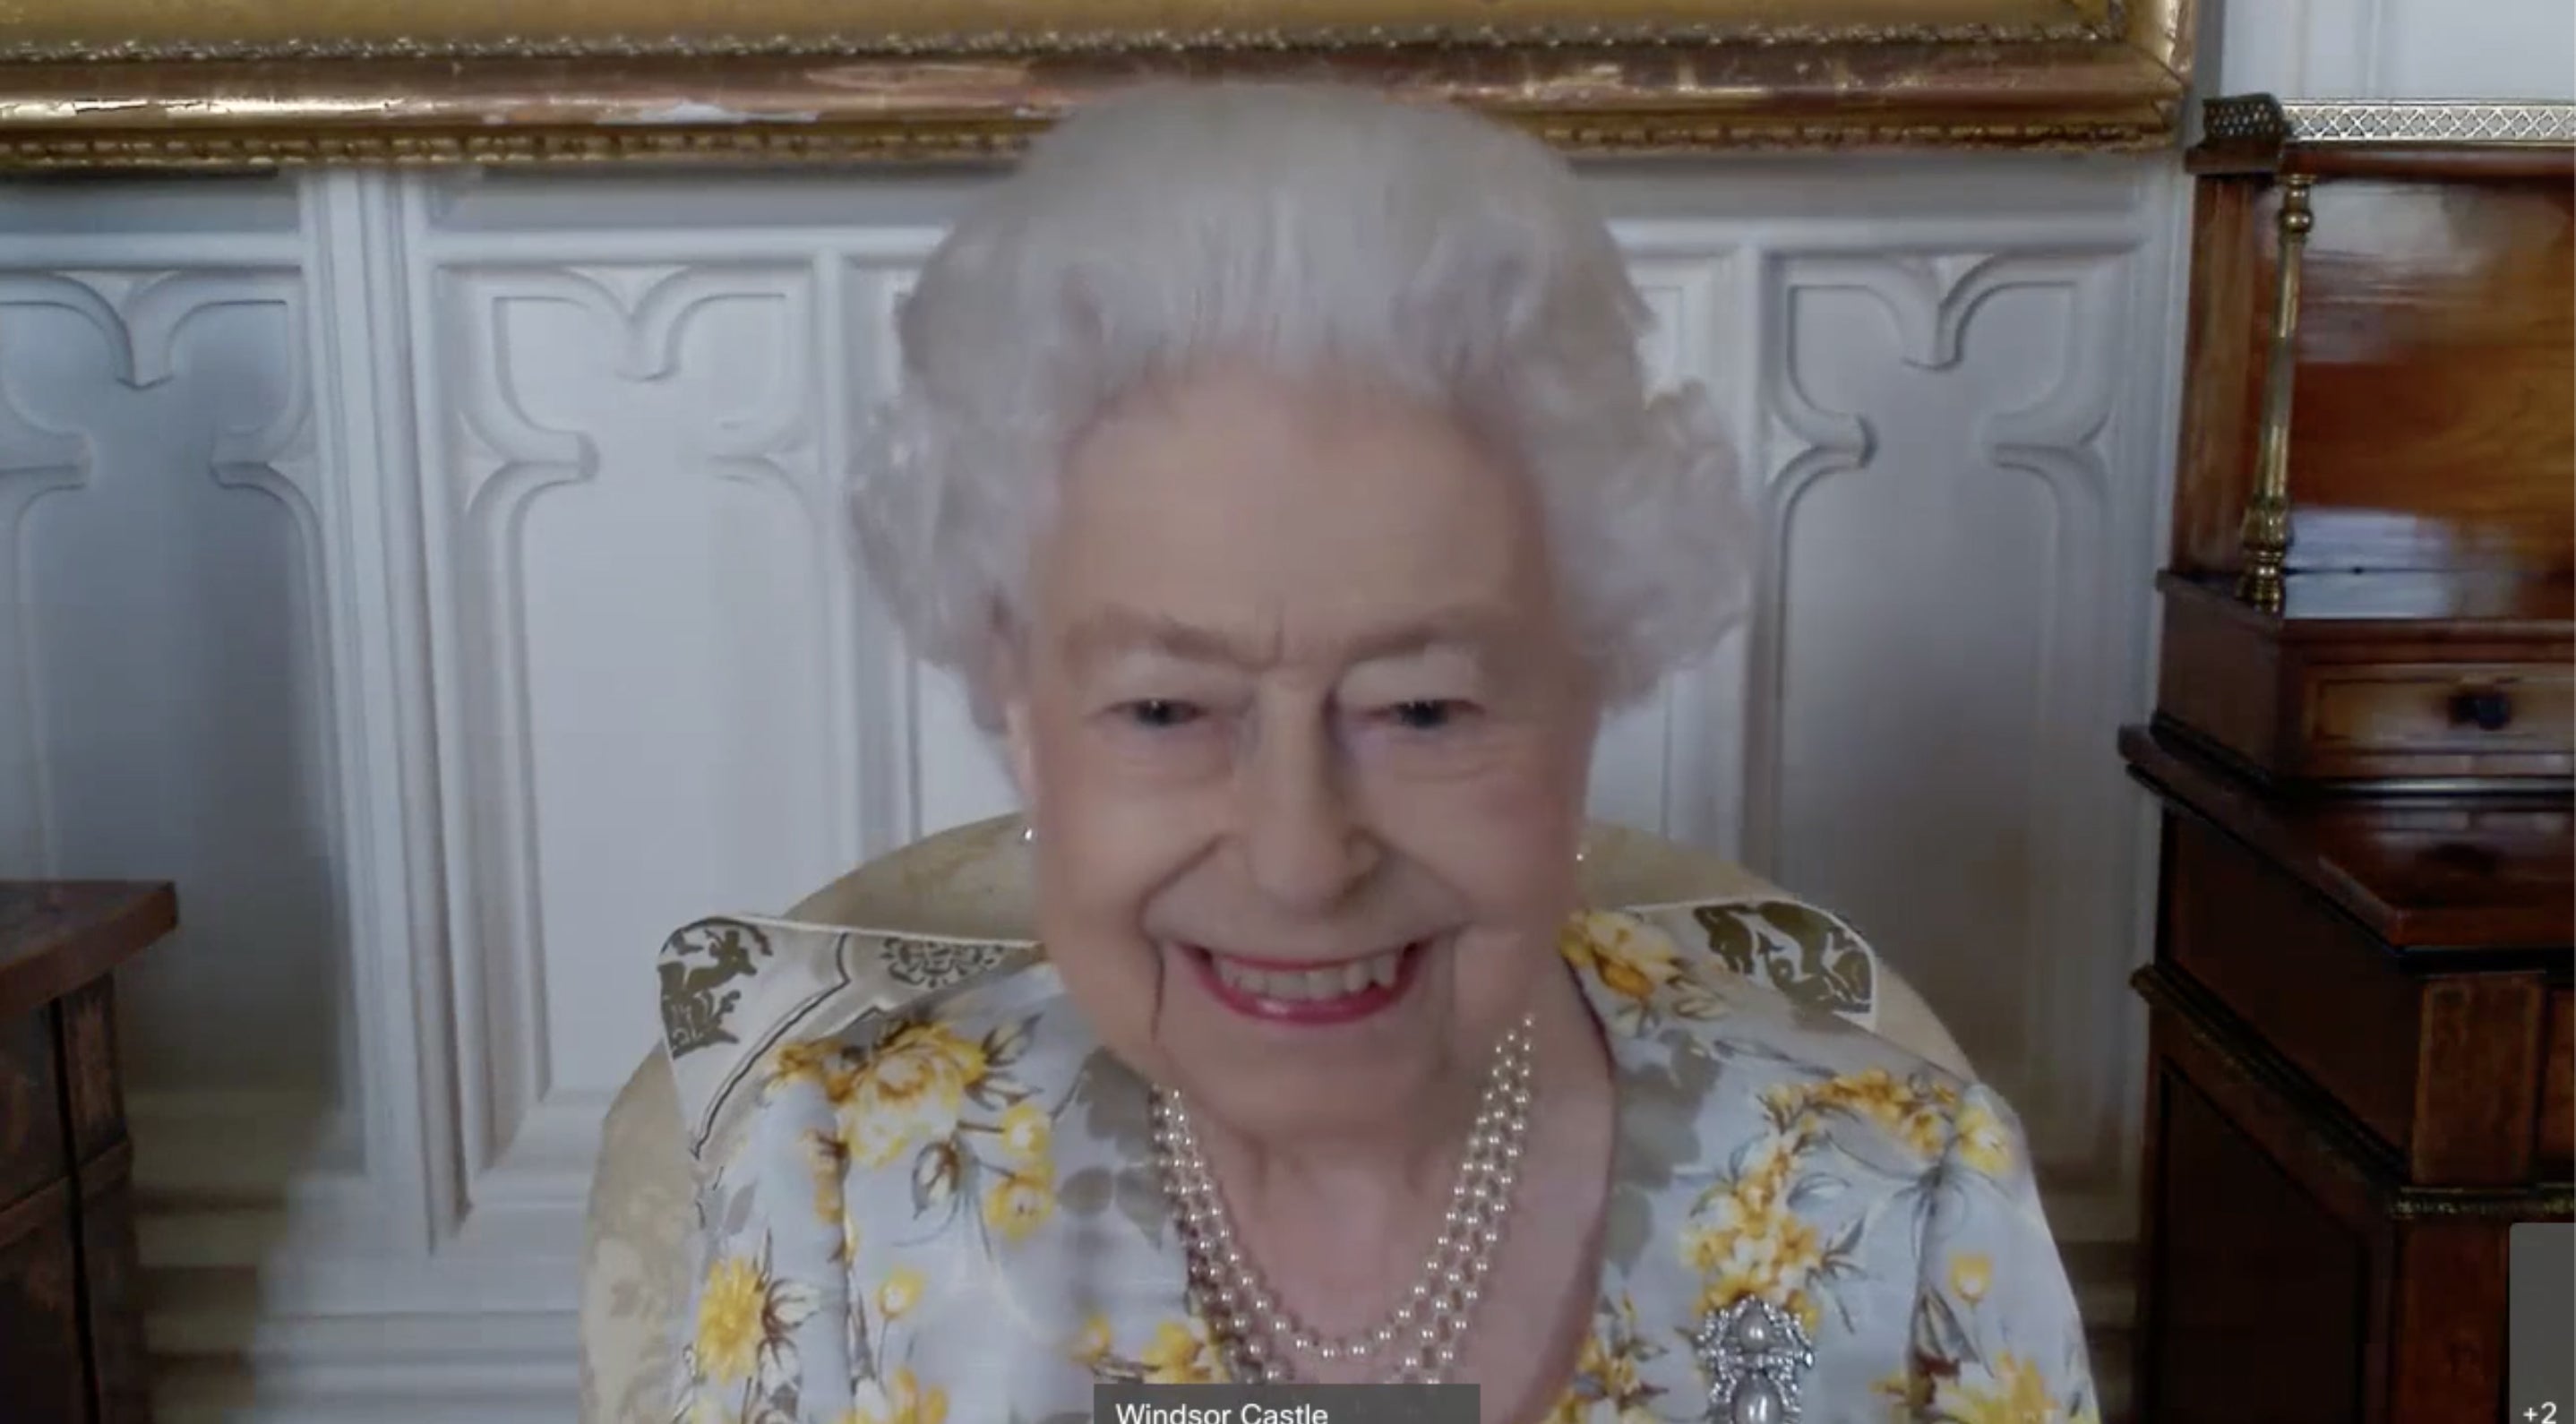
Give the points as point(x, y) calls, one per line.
point(71, 1323)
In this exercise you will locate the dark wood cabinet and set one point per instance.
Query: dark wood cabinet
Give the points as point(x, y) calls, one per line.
point(71, 1325)
point(2361, 1005)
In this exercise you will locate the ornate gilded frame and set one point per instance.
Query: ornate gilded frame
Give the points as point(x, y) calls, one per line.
point(170, 84)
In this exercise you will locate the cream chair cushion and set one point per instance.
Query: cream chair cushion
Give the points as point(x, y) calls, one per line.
point(971, 883)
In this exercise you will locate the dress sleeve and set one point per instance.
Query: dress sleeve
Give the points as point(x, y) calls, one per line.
point(1996, 1333)
point(763, 1332)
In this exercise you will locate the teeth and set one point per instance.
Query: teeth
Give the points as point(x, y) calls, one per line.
point(1309, 985)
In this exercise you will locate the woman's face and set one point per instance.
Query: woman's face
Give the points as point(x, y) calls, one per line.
point(1304, 737)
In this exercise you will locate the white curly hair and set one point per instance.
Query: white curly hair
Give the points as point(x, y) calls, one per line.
point(1295, 226)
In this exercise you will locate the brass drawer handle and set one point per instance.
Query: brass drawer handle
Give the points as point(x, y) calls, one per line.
point(2486, 708)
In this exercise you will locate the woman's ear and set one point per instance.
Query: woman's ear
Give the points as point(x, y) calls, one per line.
point(1006, 699)
point(1018, 755)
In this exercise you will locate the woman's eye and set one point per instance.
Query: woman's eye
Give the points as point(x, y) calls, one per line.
point(1158, 713)
point(1425, 715)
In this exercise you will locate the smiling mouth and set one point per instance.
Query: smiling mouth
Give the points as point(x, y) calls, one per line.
point(1326, 981)
point(1291, 992)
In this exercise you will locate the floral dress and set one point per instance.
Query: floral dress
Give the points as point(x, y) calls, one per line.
point(925, 1195)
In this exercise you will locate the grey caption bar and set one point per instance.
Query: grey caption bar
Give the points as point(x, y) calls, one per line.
point(1283, 1404)
point(2540, 1318)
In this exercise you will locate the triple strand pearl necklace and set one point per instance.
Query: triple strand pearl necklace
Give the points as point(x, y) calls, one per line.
point(1261, 1339)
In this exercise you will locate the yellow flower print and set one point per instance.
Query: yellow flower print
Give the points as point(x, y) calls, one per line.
point(1971, 1276)
point(1020, 1202)
point(909, 1087)
point(923, 1063)
point(827, 1158)
point(745, 1320)
point(1025, 1131)
point(1602, 1376)
point(826, 1065)
point(1744, 1239)
point(1616, 1369)
point(1770, 1261)
point(729, 1320)
point(1785, 1103)
point(1908, 1392)
point(899, 1292)
point(2013, 1392)
point(1607, 1376)
point(1983, 1141)
point(1093, 1348)
point(1631, 960)
point(1764, 1185)
point(900, 1398)
point(1747, 1205)
point(1179, 1354)
point(1913, 1111)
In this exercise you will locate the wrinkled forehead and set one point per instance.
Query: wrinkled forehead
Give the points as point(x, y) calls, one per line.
point(1260, 507)
point(1474, 636)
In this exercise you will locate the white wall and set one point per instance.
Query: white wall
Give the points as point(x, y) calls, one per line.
point(2395, 49)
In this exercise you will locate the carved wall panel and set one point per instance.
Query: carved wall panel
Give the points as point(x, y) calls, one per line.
point(1992, 858)
point(167, 661)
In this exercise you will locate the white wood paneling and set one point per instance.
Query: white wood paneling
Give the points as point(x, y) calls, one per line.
point(2395, 49)
point(444, 579)
point(168, 662)
point(1942, 420)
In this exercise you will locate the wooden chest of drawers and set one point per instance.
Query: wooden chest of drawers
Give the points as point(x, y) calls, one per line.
point(2362, 1006)
point(2363, 1053)
point(2390, 679)
point(71, 1336)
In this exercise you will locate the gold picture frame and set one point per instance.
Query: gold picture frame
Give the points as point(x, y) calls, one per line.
point(176, 84)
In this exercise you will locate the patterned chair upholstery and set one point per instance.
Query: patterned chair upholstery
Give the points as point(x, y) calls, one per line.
point(972, 883)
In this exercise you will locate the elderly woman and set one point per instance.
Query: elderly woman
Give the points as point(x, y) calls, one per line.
point(1278, 468)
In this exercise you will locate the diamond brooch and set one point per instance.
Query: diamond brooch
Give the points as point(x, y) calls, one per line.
point(1756, 1356)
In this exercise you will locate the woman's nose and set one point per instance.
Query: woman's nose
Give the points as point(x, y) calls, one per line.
point(1304, 846)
